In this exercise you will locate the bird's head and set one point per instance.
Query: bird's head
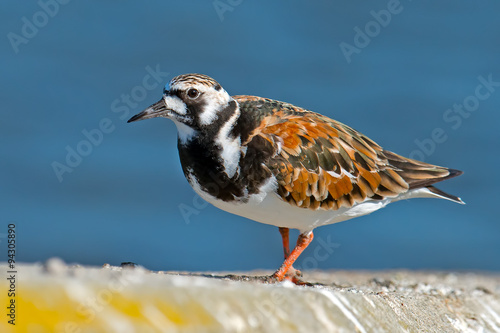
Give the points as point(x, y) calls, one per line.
point(193, 102)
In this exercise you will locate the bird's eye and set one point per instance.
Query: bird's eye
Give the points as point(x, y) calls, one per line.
point(193, 93)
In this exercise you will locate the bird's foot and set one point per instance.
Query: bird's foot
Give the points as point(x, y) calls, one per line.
point(293, 275)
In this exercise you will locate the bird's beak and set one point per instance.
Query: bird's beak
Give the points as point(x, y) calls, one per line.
point(158, 109)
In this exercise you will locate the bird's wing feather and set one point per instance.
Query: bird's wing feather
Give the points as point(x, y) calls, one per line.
point(322, 163)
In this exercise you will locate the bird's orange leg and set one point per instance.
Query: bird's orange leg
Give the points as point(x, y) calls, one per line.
point(286, 268)
point(292, 274)
point(286, 241)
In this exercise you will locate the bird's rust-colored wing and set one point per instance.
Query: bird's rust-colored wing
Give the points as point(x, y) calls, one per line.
point(321, 163)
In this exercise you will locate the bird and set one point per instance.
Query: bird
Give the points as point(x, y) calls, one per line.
point(282, 165)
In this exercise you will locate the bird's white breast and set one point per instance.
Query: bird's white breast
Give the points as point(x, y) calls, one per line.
point(268, 207)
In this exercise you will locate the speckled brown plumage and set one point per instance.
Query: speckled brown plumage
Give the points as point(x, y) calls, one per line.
point(190, 79)
point(320, 163)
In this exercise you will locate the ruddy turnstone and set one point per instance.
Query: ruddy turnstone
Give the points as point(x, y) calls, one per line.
point(279, 164)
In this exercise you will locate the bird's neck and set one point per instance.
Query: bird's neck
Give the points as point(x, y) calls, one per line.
point(211, 154)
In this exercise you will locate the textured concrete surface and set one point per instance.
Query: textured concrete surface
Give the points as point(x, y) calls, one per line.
point(55, 297)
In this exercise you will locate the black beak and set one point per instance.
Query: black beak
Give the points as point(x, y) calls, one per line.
point(158, 109)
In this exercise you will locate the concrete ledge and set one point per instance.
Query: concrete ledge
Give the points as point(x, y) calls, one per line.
point(57, 298)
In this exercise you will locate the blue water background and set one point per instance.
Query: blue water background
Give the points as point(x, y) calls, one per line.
point(121, 202)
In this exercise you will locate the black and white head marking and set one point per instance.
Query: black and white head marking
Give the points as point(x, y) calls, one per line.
point(201, 94)
point(213, 109)
point(202, 110)
point(194, 102)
